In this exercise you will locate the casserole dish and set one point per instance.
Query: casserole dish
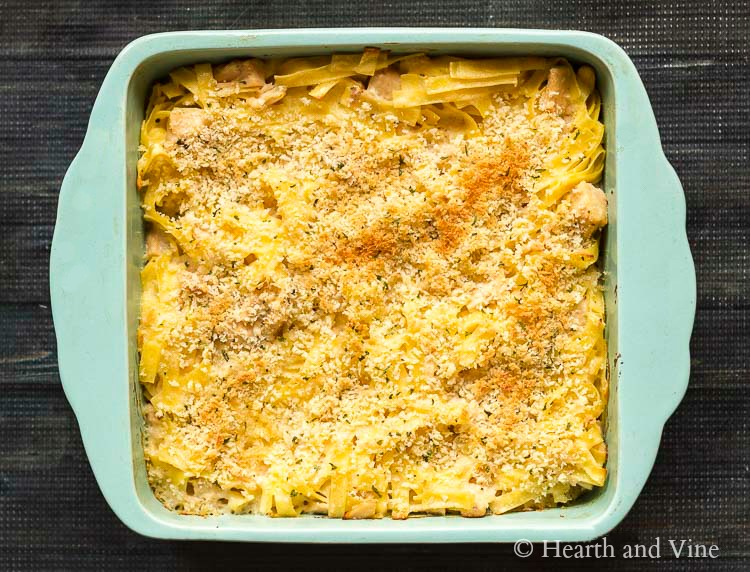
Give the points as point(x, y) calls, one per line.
point(97, 253)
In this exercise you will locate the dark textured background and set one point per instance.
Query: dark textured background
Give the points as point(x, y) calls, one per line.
point(693, 58)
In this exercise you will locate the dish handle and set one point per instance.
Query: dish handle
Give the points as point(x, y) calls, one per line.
point(89, 306)
point(677, 283)
point(85, 261)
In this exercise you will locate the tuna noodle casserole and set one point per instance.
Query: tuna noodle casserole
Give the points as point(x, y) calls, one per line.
point(370, 286)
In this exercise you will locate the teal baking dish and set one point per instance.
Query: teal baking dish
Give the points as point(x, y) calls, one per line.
point(97, 252)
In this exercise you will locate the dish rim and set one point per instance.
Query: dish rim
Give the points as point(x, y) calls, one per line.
point(658, 289)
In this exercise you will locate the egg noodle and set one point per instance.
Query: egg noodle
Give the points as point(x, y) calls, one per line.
point(370, 286)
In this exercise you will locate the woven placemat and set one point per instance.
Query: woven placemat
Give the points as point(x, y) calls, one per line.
point(693, 58)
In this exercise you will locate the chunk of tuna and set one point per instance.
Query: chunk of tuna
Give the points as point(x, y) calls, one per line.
point(383, 83)
point(270, 94)
point(474, 512)
point(588, 204)
point(247, 72)
point(556, 96)
point(157, 242)
point(186, 122)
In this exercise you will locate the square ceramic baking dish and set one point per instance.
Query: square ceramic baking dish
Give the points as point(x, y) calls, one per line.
point(97, 253)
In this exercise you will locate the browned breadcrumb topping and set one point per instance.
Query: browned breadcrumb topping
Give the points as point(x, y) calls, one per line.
point(351, 295)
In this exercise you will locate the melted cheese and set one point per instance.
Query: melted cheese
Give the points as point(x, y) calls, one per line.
point(369, 301)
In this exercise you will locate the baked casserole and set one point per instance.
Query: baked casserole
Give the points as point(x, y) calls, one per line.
point(371, 286)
